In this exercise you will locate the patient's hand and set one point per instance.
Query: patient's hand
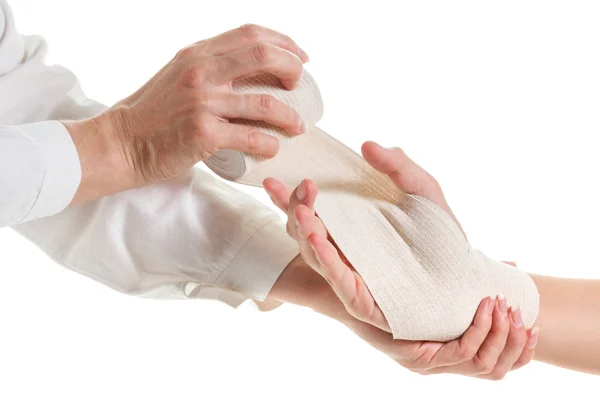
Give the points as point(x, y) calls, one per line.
point(495, 343)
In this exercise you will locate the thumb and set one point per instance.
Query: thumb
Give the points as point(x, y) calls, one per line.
point(407, 175)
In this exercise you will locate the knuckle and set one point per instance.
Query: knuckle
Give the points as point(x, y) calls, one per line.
point(521, 363)
point(250, 31)
point(193, 76)
point(200, 125)
point(261, 53)
point(201, 46)
point(398, 152)
point(265, 103)
point(202, 101)
point(196, 126)
point(289, 42)
point(485, 368)
point(497, 376)
point(399, 168)
point(484, 365)
point(253, 139)
point(467, 352)
point(186, 52)
point(421, 361)
point(202, 133)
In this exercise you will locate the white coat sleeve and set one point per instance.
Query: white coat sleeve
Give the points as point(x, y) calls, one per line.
point(190, 237)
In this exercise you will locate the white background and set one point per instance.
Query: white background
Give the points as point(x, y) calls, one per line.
point(499, 100)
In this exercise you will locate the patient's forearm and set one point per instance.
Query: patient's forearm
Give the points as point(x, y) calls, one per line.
point(299, 284)
point(569, 322)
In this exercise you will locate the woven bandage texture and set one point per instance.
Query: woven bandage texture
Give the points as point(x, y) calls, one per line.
point(413, 257)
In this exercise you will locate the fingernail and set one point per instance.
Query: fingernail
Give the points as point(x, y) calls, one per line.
point(297, 225)
point(533, 338)
point(491, 304)
point(502, 307)
point(301, 229)
point(301, 192)
point(516, 317)
point(379, 146)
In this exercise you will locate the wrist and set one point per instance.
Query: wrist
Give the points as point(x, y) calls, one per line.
point(104, 168)
point(301, 285)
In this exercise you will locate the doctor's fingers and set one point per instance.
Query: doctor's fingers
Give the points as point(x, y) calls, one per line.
point(248, 35)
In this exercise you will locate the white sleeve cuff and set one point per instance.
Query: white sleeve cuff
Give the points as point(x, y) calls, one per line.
point(62, 168)
point(254, 269)
point(258, 264)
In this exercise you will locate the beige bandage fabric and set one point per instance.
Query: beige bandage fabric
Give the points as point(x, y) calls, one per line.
point(415, 260)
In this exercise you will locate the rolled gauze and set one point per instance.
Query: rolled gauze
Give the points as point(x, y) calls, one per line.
point(413, 257)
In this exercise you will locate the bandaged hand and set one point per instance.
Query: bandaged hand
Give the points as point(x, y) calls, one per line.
point(496, 341)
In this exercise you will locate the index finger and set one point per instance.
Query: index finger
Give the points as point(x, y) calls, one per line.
point(259, 59)
point(278, 192)
point(248, 35)
point(407, 175)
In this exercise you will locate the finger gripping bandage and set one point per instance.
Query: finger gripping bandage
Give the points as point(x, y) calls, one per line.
point(415, 260)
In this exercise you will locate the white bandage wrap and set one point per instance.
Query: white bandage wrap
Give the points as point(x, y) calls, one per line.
point(415, 260)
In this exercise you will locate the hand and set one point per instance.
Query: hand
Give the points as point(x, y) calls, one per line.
point(495, 343)
point(184, 113)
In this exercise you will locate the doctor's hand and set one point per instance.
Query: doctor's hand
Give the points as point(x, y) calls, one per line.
point(496, 342)
point(187, 112)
